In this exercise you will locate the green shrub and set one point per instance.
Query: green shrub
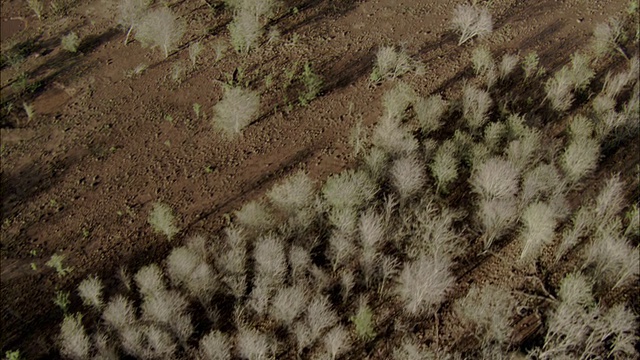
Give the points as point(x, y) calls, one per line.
point(363, 322)
point(56, 263)
point(312, 85)
point(70, 42)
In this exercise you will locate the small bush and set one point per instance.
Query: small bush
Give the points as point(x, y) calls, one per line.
point(539, 225)
point(70, 42)
point(496, 217)
point(429, 112)
point(395, 139)
point(610, 200)
point(337, 341)
point(581, 72)
point(300, 261)
point(476, 104)
point(351, 189)
point(559, 90)
point(37, 6)
point(237, 109)
point(254, 345)
point(607, 37)
point(119, 313)
point(255, 216)
point(391, 64)
point(524, 152)
point(507, 65)
point(423, 284)
point(162, 220)
point(410, 350)
point(396, 101)
point(56, 263)
point(471, 21)
point(540, 183)
point(195, 48)
point(580, 158)
point(90, 291)
point(215, 346)
point(495, 179)
point(320, 316)
point(245, 31)
point(616, 262)
point(488, 310)
point(341, 249)
point(75, 342)
point(160, 28)
point(288, 304)
point(407, 176)
point(150, 280)
point(582, 224)
point(363, 322)
point(312, 85)
point(233, 261)
point(580, 128)
point(444, 167)
point(294, 194)
point(270, 258)
point(484, 65)
point(531, 67)
point(633, 215)
point(188, 269)
point(130, 14)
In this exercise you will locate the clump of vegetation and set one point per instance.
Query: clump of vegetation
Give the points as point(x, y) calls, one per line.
point(439, 187)
point(162, 220)
point(391, 63)
point(70, 42)
point(312, 85)
point(237, 109)
point(471, 21)
point(37, 6)
point(130, 14)
point(160, 28)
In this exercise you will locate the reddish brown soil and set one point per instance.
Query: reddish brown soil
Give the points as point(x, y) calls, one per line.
point(80, 178)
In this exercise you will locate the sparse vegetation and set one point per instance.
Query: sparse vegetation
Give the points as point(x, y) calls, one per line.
point(485, 212)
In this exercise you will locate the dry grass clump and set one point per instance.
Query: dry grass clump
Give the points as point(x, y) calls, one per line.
point(476, 104)
point(423, 284)
point(391, 63)
point(471, 21)
point(160, 28)
point(162, 220)
point(487, 311)
point(308, 273)
point(237, 109)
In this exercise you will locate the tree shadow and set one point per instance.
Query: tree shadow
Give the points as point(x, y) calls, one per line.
point(308, 12)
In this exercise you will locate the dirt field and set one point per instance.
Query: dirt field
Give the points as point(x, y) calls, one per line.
point(80, 177)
